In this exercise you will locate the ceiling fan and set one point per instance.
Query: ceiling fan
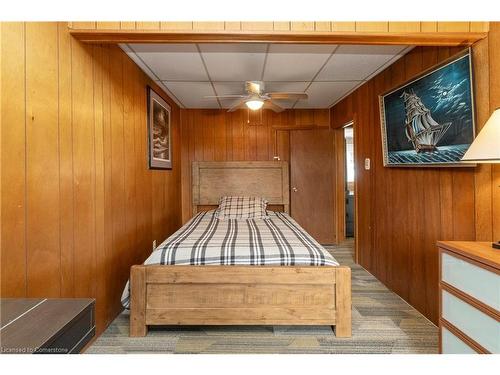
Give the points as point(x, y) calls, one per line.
point(256, 98)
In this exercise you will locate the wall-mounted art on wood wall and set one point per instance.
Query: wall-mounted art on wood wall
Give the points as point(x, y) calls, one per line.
point(159, 134)
point(429, 120)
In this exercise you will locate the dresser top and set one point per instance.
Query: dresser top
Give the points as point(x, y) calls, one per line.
point(481, 252)
point(30, 323)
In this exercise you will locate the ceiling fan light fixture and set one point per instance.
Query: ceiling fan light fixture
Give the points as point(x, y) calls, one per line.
point(254, 104)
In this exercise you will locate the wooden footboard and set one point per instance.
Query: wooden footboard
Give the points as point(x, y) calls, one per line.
point(240, 295)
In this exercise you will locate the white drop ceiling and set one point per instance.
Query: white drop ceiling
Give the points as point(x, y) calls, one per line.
point(327, 73)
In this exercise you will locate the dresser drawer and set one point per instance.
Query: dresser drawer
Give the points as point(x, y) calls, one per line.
point(480, 327)
point(475, 281)
point(451, 344)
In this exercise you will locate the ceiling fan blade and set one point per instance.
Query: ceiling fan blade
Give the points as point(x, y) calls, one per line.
point(240, 104)
point(268, 104)
point(287, 95)
point(224, 96)
point(254, 87)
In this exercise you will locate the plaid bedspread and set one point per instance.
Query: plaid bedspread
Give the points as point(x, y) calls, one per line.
point(205, 240)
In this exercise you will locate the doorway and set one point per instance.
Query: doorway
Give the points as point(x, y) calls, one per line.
point(349, 176)
point(345, 184)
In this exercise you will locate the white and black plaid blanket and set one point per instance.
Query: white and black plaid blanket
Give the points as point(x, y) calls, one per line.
point(205, 240)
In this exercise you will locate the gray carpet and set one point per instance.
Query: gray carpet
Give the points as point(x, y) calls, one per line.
point(381, 323)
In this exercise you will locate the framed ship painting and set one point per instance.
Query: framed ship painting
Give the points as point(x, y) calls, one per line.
point(160, 148)
point(429, 120)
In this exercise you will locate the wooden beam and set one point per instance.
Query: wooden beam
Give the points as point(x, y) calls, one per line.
point(159, 36)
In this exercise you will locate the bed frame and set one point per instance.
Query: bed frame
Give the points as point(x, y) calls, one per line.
point(240, 295)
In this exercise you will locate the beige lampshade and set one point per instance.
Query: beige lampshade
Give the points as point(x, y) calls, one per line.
point(486, 146)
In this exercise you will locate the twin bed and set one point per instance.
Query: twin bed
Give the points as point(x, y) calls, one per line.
point(239, 271)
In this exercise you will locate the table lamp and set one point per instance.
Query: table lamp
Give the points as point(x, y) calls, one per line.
point(486, 146)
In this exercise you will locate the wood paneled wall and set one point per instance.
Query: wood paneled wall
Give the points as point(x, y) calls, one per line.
point(378, 27)
point(402, 212)
point(217, 135)
point(78, 203)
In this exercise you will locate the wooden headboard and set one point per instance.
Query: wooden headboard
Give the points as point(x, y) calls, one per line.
point(213, 179)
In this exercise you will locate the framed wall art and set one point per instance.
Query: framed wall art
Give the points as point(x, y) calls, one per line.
point(429, 120)
point(159, 131)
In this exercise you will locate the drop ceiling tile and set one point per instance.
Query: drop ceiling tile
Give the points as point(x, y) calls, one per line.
point(286, 87)
point(355, 62)
point(324, 94)
point(172, 62)
point(191, 93)
point(229, 88)
point(234, 62)
point(233, 48)
point(295, 62)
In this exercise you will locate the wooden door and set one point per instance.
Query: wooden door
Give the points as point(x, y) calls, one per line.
point(312, 182)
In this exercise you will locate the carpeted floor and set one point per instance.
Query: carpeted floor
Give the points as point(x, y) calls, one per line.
point(381, 323)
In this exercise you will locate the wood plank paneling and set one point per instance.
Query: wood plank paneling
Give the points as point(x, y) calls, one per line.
point(404, 27)
point(453, 26)
point(129, 144)
point(66, 213)
point(257, 26)
point(494, 78)
point(392, 26)
point(77, 195)
point(117, 199)
point(232, 26)
point(13, 151)
point(108, 25)
point(281, 26)
point(206, 26)
point(479, 26)
point(302, 26)
point(176, 25)
point(366, 27)
point(109, 265)
point(209, 134)
point(483, 191)
point(431, 217)
point(83, 25)
point(323, 26)
point(344, 26)
point(147, 25)
point(127, 25)
point(42, 155)
point(428, 27)
point(416, 213)
point(412, 208)
point(83, 169)
point(100, 212)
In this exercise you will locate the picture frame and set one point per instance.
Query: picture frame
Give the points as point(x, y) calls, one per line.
point(159, 131)
point(429, 120)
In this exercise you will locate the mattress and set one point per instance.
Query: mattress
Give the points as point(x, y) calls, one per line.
point(206, 240)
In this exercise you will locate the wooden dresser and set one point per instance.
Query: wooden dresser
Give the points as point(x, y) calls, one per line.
point(469, 302)
point(40, 325)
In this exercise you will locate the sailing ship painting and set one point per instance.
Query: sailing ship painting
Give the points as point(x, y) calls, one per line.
point(429, 121)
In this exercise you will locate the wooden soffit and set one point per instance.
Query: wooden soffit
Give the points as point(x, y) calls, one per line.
point(333, 37)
